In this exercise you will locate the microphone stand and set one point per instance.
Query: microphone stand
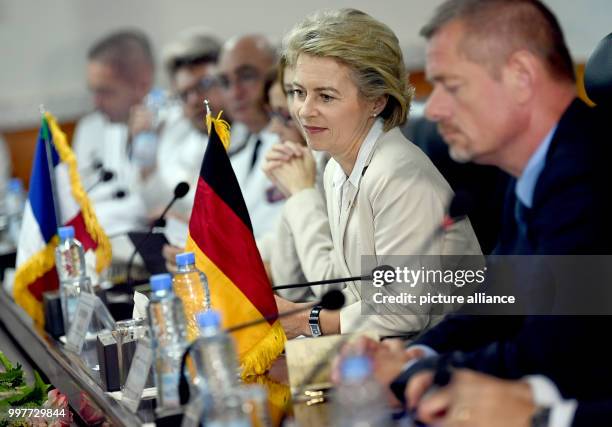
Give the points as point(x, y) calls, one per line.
point(106, 176)
point(180, 191)
point(322, 282)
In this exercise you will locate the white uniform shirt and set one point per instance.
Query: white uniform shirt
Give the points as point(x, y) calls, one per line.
point(264, 209)
point(98, 140)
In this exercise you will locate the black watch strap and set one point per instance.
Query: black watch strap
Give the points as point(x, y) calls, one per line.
point(541, 418)
point(313, 321)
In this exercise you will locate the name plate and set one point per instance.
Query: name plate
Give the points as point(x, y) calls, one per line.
point(137, 375)
point(88, 305)
point(80, 325)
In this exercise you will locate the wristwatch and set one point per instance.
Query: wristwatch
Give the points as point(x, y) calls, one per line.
point(541, 418)
point(313, 321)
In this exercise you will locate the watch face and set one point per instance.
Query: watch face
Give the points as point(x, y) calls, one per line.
point(315, 330)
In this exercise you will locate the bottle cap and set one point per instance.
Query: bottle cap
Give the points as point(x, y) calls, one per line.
point(155, 98)
point(15, 185)
point(186, 258)
point(208, 318)
point(356, 368)
point(161, 282)
point(65, 232)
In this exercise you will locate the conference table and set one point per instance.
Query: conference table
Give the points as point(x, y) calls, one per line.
point(67, 372)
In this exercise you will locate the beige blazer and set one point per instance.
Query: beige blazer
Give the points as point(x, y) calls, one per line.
point(400, 202)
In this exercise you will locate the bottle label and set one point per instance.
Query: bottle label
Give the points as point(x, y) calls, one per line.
point(170, 396)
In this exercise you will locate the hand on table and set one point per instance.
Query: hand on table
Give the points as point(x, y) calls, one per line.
point(475, 400)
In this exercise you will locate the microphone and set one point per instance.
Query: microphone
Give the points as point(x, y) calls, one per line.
point(332, 281)
point(119, 194)
point(105, 176)
point(181, 189)
point(322, 282)
point(458, 208)
point(96, 164)
point(332, 300)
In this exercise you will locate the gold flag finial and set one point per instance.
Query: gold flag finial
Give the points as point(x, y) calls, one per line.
point(221, 126)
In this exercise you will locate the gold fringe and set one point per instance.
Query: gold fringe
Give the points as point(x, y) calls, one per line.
point(259, 359)
point(279, 397)
point(222, 128)
point(27, 273)
point(103, 251)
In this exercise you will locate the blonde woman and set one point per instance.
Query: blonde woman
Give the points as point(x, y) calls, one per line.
point(383, 195)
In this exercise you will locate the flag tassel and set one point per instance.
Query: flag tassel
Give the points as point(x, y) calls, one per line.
point(221, 127)
point(258, 359)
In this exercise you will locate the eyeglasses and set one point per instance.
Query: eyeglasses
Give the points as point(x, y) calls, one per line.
point(200, 88)
point(243, 77)
point(282, 116)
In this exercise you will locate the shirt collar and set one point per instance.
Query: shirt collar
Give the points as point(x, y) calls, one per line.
point(364, 153)
point(525, 185)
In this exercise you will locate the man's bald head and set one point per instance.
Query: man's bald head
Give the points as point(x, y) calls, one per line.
point(252, 44)
point(243, 65)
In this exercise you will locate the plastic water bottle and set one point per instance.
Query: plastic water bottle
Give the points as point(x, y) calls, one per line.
point(15, 203)
point(167, 322)
point(144, 148)
point(191, 286)
point(359, 400)
point(216, 361)
point(70, 266)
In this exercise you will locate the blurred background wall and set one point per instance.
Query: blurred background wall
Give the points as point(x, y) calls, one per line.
point(43, 44)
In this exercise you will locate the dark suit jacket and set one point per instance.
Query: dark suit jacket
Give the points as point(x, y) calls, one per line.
point(570, 208)
point(593, 414)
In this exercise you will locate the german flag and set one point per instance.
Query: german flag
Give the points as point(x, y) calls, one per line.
point(221, 236)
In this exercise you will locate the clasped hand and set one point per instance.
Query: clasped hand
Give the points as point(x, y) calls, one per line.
point(291, 167)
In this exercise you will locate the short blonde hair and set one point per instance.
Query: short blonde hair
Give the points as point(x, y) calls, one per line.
point(368, 47)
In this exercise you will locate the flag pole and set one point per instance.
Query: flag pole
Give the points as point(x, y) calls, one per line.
point(45, 132)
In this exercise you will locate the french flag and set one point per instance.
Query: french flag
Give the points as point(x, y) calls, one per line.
point(56, 197)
